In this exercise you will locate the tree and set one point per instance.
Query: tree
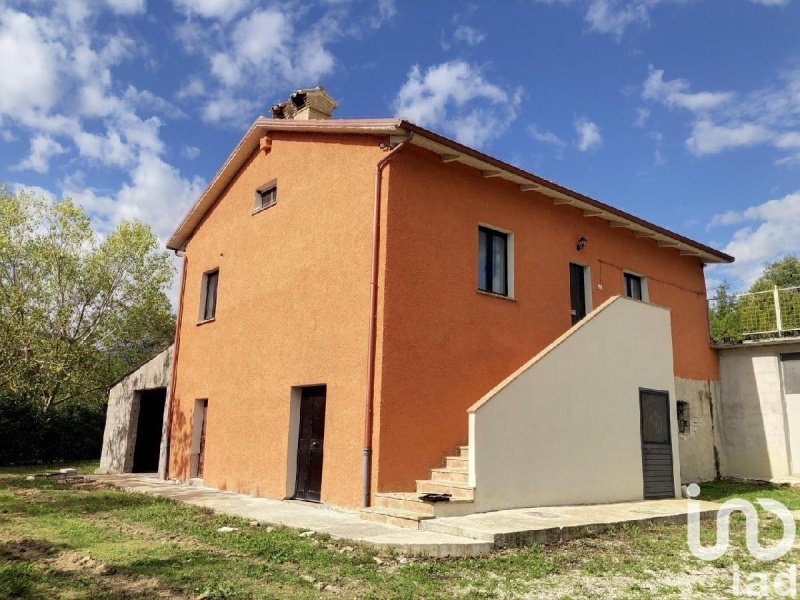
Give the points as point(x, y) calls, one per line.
point(753, 314)
point(782, 273)
point(724, 316)
point(77, 309)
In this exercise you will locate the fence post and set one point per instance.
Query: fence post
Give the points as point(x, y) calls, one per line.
point(777, 298)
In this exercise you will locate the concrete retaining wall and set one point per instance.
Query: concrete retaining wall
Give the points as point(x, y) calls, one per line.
point(119, 438)
point(698, 446)
point(565, 428)
point(752, 412)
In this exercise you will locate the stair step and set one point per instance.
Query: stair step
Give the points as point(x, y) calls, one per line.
point(408, 501)
point(458, 491)
point(446, 475)
point(393, 516)
point(456, 462)
point(463, 451)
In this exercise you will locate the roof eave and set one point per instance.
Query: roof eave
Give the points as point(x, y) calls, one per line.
point(562, 195)
point(450, 151)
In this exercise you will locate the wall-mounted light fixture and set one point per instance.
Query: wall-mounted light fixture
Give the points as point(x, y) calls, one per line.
point(581, 243)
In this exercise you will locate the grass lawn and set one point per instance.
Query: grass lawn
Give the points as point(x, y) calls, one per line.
point(63, 542)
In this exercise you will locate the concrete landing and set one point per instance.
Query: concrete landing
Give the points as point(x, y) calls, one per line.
point(521, 526)
point(338, 524)
point(469, 535)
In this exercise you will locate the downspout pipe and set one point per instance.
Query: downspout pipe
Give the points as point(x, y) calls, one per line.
point(369, 402)
point(175, 352)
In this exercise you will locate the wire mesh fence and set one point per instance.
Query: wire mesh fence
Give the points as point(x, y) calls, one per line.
point(738, 318)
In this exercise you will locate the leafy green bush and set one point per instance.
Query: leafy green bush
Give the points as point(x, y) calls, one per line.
point(32, 436)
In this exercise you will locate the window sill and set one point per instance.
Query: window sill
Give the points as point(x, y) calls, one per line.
point(206, 321)
point(260, 209)
point(493, 295)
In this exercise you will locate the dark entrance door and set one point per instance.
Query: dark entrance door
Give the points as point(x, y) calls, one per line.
point(577, 292)
point(656, 445)
point(309, 444)
point(148, 430)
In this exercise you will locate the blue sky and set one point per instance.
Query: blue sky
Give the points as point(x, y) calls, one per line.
point(684, 112)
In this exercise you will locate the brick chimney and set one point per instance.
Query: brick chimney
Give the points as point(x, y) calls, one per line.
point(305, 104)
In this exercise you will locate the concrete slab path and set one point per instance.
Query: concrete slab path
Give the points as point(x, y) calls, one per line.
point(469, 535)
point(338, 524)
point(519, 526)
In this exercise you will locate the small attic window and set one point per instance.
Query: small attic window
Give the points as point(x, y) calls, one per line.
point(266, 196)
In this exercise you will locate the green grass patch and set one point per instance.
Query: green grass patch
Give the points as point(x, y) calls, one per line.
point(59, 542)
point(84, 467)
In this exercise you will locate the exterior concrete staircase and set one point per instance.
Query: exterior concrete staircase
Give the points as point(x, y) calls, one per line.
point(406, 509)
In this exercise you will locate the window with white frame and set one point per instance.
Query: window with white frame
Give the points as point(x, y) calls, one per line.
point(208, 295)
point(494, 248)
point(266, 196)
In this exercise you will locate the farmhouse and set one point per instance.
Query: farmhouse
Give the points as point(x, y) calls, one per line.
point(373, 315)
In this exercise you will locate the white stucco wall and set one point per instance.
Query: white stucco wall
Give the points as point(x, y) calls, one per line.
point(565, 428)
point(754, 435)
point(119, 437)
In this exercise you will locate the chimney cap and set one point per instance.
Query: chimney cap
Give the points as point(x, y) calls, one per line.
point(306, 103)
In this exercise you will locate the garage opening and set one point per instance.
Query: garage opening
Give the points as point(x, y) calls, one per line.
point(148, 430)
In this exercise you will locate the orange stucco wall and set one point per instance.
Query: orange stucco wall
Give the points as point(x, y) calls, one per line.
point(445, 344)
point(292, 310)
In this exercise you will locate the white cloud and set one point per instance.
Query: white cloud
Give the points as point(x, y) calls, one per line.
point(127, 7)
point(43, 148)
point(16, 188)
point(156, 194)
point(774, 230)
point(190, 152)
point(212, 9)
point(642, 115)
point(789, 140)
point(456, 97)
point(29, 67)
point(468, 35)
point(546, 137)
point(708, 138)
point(256, 52)
point(229, 109)
point(790, 160)
point(614, 17)
point(723, 120)
point(589, 136)
point(148, 101)
point(675, 93)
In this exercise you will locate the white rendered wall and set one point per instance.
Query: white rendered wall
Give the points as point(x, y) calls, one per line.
point(565, 428)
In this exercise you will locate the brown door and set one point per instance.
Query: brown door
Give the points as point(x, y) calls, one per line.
point(656, 445)
point(309, 444)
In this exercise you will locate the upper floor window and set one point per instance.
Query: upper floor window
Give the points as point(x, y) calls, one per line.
point(266, 196)
point(493, 255)
point(208, 296)
point(635, 287)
